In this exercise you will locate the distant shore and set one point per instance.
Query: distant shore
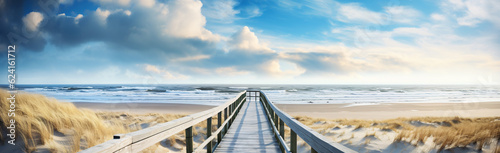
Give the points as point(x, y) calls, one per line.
point(328, 111)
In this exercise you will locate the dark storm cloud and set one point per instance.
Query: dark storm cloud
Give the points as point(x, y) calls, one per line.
point(122, 31)
point(134, 35)
point(12, 28)
point(135, 29)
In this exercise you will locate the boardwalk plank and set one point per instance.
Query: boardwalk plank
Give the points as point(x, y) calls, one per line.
point(250, 132)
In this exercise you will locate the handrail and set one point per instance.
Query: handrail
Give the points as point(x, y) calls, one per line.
point(139, 140)
point(318, 142)
point(210, 138)
point(283, 146)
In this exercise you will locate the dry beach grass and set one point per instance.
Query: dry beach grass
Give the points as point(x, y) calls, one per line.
point(446, 133)
point(39, 118)
point(47, 124)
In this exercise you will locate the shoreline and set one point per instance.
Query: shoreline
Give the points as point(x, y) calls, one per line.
point(328, 111)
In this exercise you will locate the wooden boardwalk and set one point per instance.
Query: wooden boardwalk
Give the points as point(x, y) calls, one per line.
point(250, 132)
point(255, 125)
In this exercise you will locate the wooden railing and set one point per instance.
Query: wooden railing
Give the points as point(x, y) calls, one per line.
point(142, 139)
point(278, 119)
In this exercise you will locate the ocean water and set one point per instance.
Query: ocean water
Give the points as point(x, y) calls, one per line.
point(285, 94)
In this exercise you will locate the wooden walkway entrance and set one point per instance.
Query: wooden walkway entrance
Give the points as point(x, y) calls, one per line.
point(251, 124)
point(251, 131)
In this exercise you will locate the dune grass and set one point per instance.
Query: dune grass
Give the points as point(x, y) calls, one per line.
point(39, 118)
point(457, 132)
point(447, 132)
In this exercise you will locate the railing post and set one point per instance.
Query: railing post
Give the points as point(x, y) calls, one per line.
point(276, 120)
point(229, 114)
point(232, 112)
point(219, 123)
point(209, 134)
point(189, 139)
point(293, 141)
point(234, 107)
point(282, 129)
point(225, 118)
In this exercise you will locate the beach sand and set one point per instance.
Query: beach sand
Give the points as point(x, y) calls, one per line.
point(361, 135)
point(426, 127)
point(393, 110)
point(141, 108)
point(328, 111)
point(369, 133)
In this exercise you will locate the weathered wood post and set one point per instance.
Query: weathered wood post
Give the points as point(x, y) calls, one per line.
point(293, 141)
point(189, 139)
point(229, 114)
point(232, 112)
point(219, 123)
point(282, 129)
point(276, 120)
point(225, 118)
point(209, 133)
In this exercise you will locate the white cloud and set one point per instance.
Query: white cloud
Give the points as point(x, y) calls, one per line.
point(183, 18)
point(146, 3)
point(65, 1)
point(402, 14)
point(178, 18)
point(102, 15)
point(32, 20)
point(169, 76)
point(191, 58)
point(438, 17)
point(436, 53)
point(472, 12)
point(435, 48)
point(253, 12)
point(151, 68)
point(78, 17)
point(164, 74)
point(230, 71)
point(120, 3)
point(247, 40)
point(221, 10)
point(411, 31)
point(353, 12)
point(124, 2)
point(275, 69)
point(127, 12)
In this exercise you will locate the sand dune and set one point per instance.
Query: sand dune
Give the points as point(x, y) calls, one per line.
point(62, 127)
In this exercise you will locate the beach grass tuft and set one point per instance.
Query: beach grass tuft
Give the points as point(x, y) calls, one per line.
point(38, 117)
point(446, 132)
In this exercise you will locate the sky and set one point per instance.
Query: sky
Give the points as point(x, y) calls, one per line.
point(252, 42)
